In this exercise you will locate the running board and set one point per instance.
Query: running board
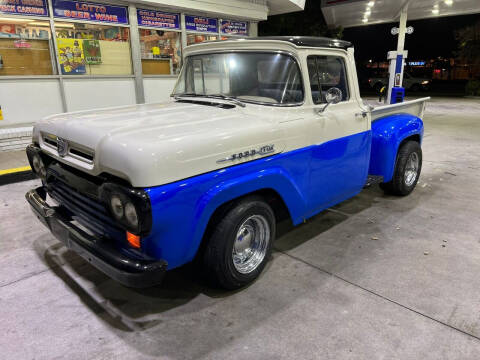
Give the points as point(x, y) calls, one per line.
point(372, 180)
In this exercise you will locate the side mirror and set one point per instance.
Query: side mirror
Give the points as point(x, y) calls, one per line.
point(333, 96)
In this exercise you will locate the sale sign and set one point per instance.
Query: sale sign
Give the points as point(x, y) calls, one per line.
point(158, 19)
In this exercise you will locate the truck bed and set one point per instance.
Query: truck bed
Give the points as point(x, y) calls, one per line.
point(415, 107)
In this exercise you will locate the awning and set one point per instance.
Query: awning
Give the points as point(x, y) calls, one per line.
point(349, 13)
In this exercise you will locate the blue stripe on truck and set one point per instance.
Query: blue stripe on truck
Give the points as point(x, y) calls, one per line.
point(309, 180)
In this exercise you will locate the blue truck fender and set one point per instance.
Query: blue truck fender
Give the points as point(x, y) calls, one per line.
point(387, 135)
point(177, 239)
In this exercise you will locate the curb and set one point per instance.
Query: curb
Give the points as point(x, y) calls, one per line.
point(10, 176)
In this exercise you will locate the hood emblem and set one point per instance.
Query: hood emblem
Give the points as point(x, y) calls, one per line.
point(264, 150)
point(62, 147)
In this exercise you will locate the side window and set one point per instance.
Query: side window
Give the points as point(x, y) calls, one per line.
point(326, 72)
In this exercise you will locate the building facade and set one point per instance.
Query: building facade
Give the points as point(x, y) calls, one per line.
point(64, 55)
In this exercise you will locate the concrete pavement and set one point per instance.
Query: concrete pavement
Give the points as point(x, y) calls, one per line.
point(376, 277)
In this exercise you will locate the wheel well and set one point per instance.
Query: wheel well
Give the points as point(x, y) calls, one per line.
point(270, 196)
point(415, 137)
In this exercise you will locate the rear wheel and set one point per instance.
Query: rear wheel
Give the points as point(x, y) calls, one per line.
point(415, 87)
point(240, 245)
point(407, 169)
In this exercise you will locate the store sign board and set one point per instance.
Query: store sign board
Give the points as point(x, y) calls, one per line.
point(24, 7)
point(200, 23)
point(234, 27)
point(80, 10)
point(158, 19)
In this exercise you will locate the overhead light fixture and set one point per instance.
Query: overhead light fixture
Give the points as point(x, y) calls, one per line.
point(371, 3)
point(435, 11)
point(12, 20)
point(365, 20)
point(368, 12)
point(449, 2)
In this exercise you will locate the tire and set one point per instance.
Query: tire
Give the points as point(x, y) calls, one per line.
point(406, 174)
point(415, 87)
point(227, 243)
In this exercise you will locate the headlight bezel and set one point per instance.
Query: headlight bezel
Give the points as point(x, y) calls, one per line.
point(35, 153)
point(138, 198)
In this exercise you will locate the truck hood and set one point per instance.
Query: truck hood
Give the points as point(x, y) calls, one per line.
point(155, 144)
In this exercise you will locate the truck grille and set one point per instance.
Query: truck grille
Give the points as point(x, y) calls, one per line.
point(87, 211)
point(73, 149)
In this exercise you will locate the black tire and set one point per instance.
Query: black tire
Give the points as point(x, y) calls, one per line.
point(415, 87)
point(218, 261)
point(399, 184)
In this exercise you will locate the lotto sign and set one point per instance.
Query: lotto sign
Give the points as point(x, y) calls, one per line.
point(89, 11)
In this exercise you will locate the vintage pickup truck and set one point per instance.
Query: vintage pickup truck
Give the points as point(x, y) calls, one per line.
point(257, 130)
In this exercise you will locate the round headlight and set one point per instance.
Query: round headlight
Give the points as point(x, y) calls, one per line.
point(131, 215)
point(36, 161)
point(116, 206)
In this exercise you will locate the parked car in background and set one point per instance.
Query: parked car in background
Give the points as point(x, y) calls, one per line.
point(410, 82)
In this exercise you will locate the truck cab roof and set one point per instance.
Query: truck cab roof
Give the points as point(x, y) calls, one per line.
point(271, 43)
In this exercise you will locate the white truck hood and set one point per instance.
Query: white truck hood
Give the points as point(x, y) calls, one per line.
point(155, 144)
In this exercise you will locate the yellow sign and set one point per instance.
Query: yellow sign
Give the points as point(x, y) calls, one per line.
point(1, 115)
point(72, 60)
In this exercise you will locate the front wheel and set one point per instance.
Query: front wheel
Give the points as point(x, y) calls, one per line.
point(240, 245)
point(407, 170)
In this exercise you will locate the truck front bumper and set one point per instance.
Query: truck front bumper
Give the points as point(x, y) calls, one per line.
point(99, 252)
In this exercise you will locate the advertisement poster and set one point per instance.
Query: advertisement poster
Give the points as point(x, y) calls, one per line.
point(158, 19)
point(202, 24)
point(90, 11)
point(71, 56)
point(24, 7)
point(234, 27)
point(91, 51)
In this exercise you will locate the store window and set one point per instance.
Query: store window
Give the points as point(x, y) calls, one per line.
point(90, 49)
point(195, 38)
point(25, 47)
point(161, 51)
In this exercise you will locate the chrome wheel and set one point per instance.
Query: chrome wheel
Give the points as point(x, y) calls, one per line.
point(411, 169)
point(251, 244)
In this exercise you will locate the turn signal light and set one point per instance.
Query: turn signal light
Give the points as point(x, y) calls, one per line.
point(133, 240)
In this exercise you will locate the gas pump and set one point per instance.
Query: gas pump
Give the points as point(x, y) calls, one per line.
point(396, 93)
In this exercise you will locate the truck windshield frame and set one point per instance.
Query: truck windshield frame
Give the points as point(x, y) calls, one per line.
point(271, 78)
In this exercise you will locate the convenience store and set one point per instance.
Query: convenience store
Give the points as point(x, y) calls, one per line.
point(63, 55)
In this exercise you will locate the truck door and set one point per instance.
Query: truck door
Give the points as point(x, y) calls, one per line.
point(340, 134)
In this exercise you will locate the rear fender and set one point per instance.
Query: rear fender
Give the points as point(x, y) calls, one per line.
point(387, 135)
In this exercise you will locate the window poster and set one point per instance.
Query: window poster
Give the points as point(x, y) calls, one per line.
point(72, 60)
point(91, 51)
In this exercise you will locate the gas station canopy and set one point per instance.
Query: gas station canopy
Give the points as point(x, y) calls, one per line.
point(349, 13)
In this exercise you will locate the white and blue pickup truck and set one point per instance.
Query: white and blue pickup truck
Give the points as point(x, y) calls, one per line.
point(257, 130)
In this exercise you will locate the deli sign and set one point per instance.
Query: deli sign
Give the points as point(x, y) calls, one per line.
point(24, 7)
point(80, 10)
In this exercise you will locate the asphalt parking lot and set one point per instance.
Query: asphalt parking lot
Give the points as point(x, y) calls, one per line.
point(376, 277)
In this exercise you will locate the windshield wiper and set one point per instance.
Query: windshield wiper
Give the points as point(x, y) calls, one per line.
point(229, 98)
point(214, 96)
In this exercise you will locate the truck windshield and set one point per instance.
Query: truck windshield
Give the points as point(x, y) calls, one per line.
point(265, 78)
